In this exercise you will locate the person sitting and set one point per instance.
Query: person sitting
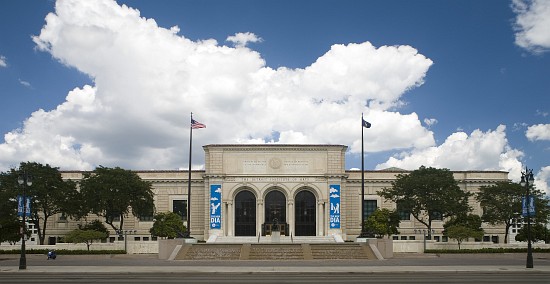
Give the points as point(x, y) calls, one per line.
point(52, 254)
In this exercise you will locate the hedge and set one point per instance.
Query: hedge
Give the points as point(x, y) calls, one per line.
point(487, 250)
point(63, 251)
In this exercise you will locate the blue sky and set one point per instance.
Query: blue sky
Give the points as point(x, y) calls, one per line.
point(456, 84)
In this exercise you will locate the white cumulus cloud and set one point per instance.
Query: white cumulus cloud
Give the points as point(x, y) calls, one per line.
point(242, 39)
point(542, 179)
point(148, 79)
point(538, 132)
point(430, 121)
point(460, 151)
point(3, 62)
point(532, 24)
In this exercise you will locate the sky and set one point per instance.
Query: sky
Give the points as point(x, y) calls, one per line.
point(463, 85)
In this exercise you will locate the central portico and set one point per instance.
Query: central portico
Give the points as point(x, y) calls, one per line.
point(256, 188)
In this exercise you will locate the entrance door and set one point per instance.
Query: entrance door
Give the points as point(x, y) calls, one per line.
point(304, 225)
point(275, 210)
point(245, 214)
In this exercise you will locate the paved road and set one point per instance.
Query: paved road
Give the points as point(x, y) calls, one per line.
point(518, 260)
point(414, 268)
point(264, 278)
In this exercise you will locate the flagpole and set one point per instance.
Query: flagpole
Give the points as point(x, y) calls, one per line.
point(362, 179)
point(188, 233)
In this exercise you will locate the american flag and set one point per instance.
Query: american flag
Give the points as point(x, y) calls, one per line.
point(196, 125)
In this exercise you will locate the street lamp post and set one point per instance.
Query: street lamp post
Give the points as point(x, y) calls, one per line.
point(425, 233)
point(125, 234)
point(24, 180)
point(526, 178)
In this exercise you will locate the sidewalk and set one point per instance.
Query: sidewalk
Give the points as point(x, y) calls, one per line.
point(488, 263)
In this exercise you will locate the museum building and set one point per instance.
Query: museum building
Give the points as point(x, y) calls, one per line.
point(305, 189)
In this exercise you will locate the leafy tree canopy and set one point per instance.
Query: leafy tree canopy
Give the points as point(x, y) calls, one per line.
point(167, 225)
point(471, 221)
point(382, 222)
point(50, 194)
point(461, 232)
point(84, 236)
point(501, 203)
point(428, 193)
point(112, 192)
point(95, 225)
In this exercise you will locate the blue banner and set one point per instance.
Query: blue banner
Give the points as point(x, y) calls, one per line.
point(20, 206)
point(528, 206)
point(215, 206)
point(334, 199)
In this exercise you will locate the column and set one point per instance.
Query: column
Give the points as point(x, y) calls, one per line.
point(230, 222)
point(260, 215)
point(320, 219)
point(291, 218)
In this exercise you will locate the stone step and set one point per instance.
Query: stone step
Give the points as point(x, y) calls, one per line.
point(209, 251)
point(339, 251)
point(276, 252)
point(269, 240)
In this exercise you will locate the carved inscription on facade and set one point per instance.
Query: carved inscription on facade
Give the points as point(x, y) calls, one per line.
point(275, 179)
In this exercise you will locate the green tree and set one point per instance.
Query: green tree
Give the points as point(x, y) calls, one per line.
point(167, 225)
point(462, 232)
point(382, 222)
point(9, 223)
point(501, 203)
point(462, 227)
point(428, 193)
point(539, 232)
point(49, 194)
point(84, 236)
point(111, 193)
point(95, 225)
point(471, 221)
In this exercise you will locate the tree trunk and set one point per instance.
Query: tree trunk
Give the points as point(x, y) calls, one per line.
point(42, 236)
point(508, 225)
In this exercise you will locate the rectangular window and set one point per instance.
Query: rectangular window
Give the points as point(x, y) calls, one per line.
point(180, 207)
point(404, 214)
point(369, 206)
point(146, 217)
point(412, 238)
point(62, 217)
point(436, 216)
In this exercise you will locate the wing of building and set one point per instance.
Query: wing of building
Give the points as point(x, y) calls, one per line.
point(245, 190)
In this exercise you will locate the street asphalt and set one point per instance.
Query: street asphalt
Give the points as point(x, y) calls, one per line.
point(494, 263)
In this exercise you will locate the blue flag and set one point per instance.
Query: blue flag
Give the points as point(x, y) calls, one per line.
point(366, 124)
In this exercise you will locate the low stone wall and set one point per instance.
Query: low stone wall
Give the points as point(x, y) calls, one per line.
point(133, 247)
point(417, 246)
point(384, 247)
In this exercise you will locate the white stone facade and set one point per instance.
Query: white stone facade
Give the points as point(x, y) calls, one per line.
point(289, 182)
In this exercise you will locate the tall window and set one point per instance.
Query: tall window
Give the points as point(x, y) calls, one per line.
point(148, 217)
point(404, 213)
point(437, 216)
point(180, 207)
point(369, 207)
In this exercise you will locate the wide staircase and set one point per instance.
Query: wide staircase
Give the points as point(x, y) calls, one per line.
point(269, 240)
point(280, 251)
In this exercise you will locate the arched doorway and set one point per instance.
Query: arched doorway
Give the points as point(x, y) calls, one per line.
point(304, 223)
point(245, 214)
point(275, 211)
